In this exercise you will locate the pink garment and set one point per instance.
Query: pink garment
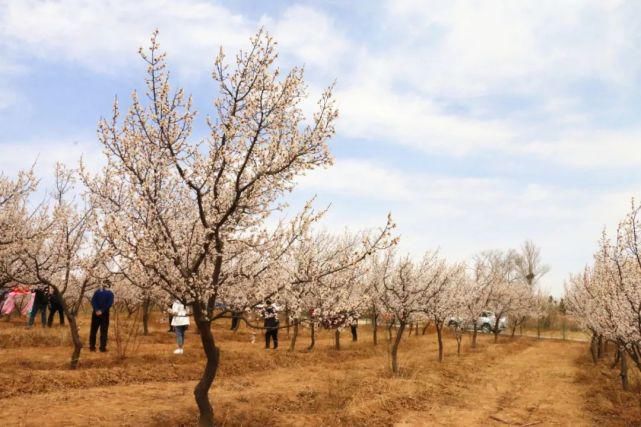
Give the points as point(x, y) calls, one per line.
point(27, 308)
point(9, 303)
point(10, 306)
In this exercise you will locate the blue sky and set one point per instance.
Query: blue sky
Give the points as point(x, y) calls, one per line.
point(477, 124)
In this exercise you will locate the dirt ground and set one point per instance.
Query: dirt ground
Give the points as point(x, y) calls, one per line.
point(521, 381)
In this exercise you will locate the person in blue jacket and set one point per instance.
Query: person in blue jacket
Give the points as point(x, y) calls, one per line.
point(101, 302)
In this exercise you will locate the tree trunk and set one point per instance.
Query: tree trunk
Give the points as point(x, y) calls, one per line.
point(415, 326)
point(70, 313)
point(474, 333)
point(337, 338)
point(514, 329)
point(75, 338)
point(394, 350)
point(538, 328)
point(145, 316)
point(287, 322)
point(313, 336)
point(599, 353)
point(389, 330)
point(292, 343)
point(624, 370)
point(594, 350)
point(375, 327)
point(617, 356)
point(635, 355)
point(129, 308)
point(427, 325)
point(201, 391)
point(439, 334)
point(496, 330)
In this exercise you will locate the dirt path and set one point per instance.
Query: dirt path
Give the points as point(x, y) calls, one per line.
point(530, 387)
point(537, 386)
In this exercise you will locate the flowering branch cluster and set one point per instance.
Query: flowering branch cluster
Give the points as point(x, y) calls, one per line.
point(606, 296)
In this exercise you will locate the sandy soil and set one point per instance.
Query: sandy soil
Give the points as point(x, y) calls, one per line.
point(519, 381)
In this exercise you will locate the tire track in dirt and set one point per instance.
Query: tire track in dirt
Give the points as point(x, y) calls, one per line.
point(530, 387)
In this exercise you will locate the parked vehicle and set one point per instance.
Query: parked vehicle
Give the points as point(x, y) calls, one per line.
point(484, 323)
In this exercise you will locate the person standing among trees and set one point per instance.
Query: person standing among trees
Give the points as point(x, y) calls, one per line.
point(55, 305)
point(101, 302)
point(40, 300)
point(271, 324)
point(180, 322)
point(354, 329)
point(235, 320)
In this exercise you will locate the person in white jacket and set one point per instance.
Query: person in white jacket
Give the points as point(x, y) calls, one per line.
point(179, 321)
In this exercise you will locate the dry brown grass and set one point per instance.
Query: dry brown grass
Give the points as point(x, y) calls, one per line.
point(16, 335)
point(605, 398)
point(518, 381)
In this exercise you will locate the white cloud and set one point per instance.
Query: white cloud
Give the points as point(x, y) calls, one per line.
point(47, 152)
point(436, 52)
point(8, 97)
point(443, 196)
point(444, 53)
point(463, 49)
point(597, 148)
point(464, 215)
point(374, 111)
point(360, 179)
point(44, 153)
point(309, 36)
point(104, 36)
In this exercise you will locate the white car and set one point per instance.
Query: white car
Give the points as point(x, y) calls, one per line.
point(484, 323)
point(487, 320)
